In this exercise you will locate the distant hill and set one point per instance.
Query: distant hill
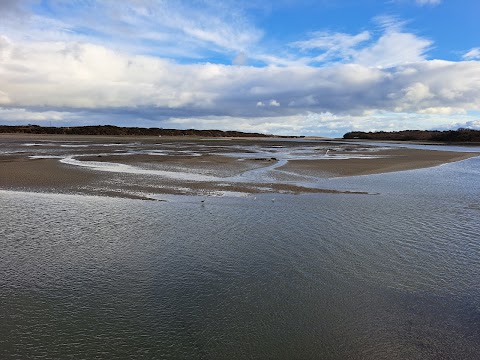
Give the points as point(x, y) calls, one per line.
point(115, 130)
point(460, 135)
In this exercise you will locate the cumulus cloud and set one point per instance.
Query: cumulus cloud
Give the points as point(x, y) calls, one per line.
point(417, 92)
point(65, 75)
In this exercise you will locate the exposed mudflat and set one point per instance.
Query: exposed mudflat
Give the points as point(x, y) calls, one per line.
point(143, 167)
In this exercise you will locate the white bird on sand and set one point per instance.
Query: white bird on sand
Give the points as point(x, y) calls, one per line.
point(326, 152)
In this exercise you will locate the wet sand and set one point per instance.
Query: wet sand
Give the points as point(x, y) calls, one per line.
point(144, 167)
point(52, 176)
point(394, 160)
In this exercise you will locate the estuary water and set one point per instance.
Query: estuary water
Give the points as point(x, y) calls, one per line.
point(328, 276)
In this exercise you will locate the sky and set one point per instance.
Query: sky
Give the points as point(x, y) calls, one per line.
point(305, 67)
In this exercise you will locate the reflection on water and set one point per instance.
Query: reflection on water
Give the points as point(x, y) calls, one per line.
point(392, 276)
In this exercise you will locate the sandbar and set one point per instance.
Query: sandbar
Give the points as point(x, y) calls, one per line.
point(144, 167)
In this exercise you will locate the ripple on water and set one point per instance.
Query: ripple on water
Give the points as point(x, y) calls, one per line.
point(329, 276)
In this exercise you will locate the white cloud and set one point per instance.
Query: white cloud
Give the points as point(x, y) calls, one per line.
point(328, 41)
point(442, 110)
point(26, 116)
point(204, 29)
point(4, 99)
point(390, 23)
point(393, 49)
point(417, 92)
point(171, 28)
point(332, 45)
point(5, 48)
point(428, 2)
point(472, 124)
point(473, 54)
point(65, 75)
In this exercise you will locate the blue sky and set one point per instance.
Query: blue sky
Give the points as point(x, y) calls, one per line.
point(285, 67)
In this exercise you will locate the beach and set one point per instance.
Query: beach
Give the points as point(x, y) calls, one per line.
point(145, 167)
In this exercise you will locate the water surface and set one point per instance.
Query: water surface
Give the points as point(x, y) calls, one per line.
point(390, 276)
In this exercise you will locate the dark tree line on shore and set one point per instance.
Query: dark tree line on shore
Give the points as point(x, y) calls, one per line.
point(460, 135)
point(116, 130)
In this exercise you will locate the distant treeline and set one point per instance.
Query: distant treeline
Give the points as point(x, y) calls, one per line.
point(460, 135)
point(115, 130)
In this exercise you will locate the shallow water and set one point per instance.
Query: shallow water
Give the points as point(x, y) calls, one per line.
point(391, 276)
